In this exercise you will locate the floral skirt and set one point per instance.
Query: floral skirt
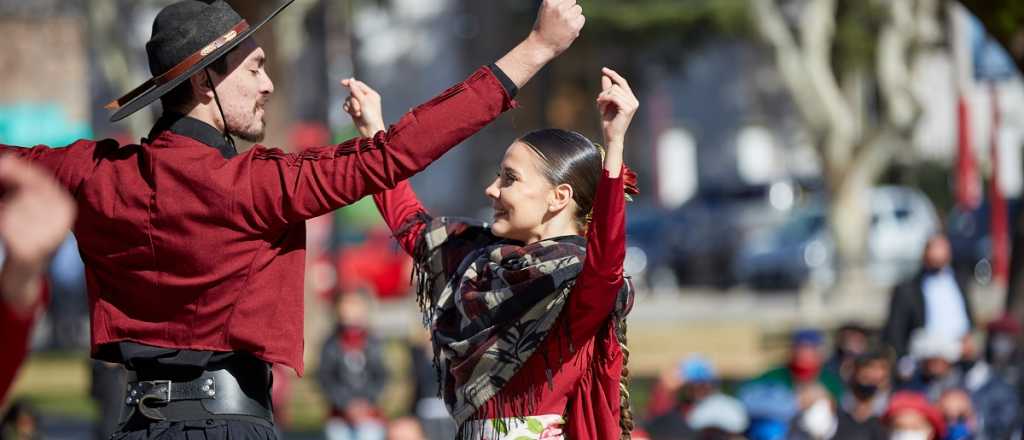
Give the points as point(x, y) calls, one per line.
point(542, 427)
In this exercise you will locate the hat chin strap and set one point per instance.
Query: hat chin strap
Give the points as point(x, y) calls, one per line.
point(224, 120)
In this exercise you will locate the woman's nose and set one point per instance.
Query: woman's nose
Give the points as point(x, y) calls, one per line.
point(492, 189)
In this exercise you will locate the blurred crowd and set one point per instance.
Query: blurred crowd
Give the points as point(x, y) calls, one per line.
point(930, 373)
point(942, 388)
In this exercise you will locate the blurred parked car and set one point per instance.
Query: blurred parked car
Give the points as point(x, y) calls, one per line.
point(703, 235)
point(799, 250)
point(803, 250)
point(646, 250)
point(970, 236)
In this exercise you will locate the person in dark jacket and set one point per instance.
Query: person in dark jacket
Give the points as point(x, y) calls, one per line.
point(353, 374)
point(935, 299)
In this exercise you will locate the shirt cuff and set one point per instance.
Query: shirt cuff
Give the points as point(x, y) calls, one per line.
point(506, 82)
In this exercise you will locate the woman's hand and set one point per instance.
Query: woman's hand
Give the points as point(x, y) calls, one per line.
point(617, 105)
point(363, 105)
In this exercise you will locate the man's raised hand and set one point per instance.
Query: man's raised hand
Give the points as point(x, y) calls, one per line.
point(558, 24)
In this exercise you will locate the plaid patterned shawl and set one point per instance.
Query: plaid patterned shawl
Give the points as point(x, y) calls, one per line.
point(490, 303)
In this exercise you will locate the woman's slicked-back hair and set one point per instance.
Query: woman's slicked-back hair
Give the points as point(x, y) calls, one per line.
point(570, 158)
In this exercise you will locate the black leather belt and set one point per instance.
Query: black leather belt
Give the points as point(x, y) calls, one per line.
point(213, 394)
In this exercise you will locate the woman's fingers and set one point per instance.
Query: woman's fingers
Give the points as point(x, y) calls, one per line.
point(606, 82)
point(353, 107)
point(618, 100)
point(361, 90)
point(616, 78)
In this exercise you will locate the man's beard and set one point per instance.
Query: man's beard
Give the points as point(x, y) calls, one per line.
point(251, 133)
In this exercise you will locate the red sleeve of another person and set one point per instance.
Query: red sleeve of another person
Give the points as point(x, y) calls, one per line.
point(14, 332)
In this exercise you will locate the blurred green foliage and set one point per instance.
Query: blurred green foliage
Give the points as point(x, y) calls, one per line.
point(666, 29)
point(688, 23)
point(856, 34)
point(1004, 20)
point(633, 19)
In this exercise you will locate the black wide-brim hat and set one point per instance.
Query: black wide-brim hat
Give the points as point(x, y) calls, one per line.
point(187, 37)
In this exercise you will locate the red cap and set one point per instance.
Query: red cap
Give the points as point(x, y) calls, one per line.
point(911, 401)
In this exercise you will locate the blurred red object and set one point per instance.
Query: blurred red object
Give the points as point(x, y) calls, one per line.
point(307, 135)
point(1005, 324)
point(912, 401)
point(376, 265)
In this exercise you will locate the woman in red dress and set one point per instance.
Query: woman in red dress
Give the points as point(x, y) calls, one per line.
point(527, 316)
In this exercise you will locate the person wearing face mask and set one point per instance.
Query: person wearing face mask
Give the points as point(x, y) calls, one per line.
point(996, 400)
point(352, 372)
point(821, 419)
point(851, 340)
point(911, 417)
point(817, 419)
point(958, 412)
point(869, 389)
point(1002, 352)
point(935, 357)
point(804, 366)
point(527, 314)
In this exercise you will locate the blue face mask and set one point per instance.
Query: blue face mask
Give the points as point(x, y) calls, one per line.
point(958, 431)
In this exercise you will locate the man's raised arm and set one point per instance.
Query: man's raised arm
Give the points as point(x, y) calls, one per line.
point(558, 24)
point(287, 188)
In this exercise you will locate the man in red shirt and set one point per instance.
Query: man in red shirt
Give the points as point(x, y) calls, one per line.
point(194, 253)
point(35, 216)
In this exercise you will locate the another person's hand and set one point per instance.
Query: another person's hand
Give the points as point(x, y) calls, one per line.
point(364, 106)
point(35, 216)
point(558, 24)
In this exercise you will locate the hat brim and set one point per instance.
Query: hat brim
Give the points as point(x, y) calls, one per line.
point(156, 91)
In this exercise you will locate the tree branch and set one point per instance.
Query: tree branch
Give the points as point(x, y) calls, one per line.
point(893, 64)
point(773, 29)
point(818, 23)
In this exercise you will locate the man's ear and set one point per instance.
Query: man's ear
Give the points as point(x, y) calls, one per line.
point(561, 196)
point(201, 87)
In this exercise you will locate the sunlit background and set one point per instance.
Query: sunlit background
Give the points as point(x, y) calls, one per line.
point(794, 157)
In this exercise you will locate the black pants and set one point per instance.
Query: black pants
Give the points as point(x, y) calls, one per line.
point(210, 429)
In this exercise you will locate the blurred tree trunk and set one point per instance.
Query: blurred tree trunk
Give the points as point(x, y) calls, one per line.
point(831, 96)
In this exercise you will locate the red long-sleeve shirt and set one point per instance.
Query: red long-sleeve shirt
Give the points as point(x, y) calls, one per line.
point(585, 387)
point(187, 249)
